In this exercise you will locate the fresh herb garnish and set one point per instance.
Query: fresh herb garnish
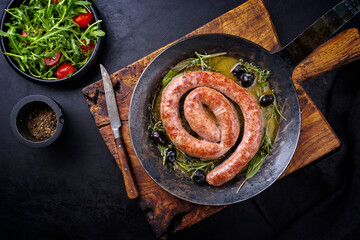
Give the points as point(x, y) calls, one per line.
point(262, 74)
point(201, 61)
point(156, 123)
point(41, 28)
point(266, 142)
point(253, 167)
point(183, 162)
point(190, 166)
point(277, 111)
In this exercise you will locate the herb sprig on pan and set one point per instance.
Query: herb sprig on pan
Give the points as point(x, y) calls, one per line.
point(262, 74)
point(201, 61)
point(183, 162)
point(266, 142)
point(42, 28)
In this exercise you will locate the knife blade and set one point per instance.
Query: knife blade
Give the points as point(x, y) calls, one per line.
point(115, 123)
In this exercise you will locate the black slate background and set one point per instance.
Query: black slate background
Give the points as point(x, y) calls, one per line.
point(74, 189)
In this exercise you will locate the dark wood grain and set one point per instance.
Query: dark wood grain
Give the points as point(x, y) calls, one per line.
point(166, 213)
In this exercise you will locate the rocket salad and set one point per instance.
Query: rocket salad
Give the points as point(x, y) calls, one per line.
point(45, 35)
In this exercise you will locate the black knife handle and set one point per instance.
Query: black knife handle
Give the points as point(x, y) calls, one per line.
point(320, 31)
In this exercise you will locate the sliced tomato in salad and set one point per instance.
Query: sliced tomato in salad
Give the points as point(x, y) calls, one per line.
point(23, 33)
point(32, 33)
point(84, 19)
point(64, 70)
point(51, 61)
point(88, 48)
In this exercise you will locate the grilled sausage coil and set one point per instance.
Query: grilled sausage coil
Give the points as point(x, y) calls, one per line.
point(209, 89)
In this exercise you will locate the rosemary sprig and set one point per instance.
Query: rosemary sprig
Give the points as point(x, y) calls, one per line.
point(262, 74)
point(277, 111)
point(163, 153)
point(202, 57)
point(200, 61)
point(190, 165)
point(266, 143)
point(156, 123)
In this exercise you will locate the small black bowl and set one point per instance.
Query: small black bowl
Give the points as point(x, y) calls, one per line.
point(76, 76)
point(20, 114)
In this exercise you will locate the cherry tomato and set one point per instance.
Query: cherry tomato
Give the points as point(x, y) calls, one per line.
point(23, 33)
point(55, 1)
point(32, 33)
point(89, 48)
point(64, 70)
point(84, 19)
point(51, 61)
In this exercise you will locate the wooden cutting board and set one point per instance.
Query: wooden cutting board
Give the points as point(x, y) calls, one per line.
point(166, 213)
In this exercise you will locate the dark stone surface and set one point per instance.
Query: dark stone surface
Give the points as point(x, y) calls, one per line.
point(74, 189)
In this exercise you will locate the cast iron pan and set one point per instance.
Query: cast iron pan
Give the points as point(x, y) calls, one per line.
point(281, 65)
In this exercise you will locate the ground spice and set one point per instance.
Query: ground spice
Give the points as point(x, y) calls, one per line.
point(42, 123)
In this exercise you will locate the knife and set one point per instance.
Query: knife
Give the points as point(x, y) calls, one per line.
point(115, 123)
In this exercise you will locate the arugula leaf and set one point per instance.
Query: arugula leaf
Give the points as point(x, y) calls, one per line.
point(4, 34)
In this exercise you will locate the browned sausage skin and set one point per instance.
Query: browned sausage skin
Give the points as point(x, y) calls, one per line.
point(205, 149)
point(202, 124)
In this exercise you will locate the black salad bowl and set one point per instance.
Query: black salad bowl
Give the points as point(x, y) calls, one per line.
point(79, 74)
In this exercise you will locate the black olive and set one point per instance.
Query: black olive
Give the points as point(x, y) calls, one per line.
point(266, 100)
point(238, 70)
point(159, 137)
point(199, 177)
point(247, 79)
point(170, 155)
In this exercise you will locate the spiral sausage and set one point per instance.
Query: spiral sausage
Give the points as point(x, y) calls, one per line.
point(205, 84)
point(204, 126)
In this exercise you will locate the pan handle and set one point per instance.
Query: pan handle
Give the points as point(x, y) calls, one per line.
point(338, 51)
point(320, 31)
